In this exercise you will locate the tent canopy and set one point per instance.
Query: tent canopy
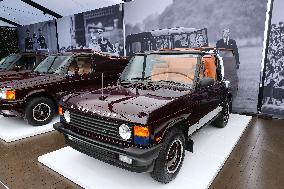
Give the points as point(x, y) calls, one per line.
point(25, 12)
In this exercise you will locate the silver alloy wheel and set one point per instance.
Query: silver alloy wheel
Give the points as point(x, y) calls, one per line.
point(174, 156)
point(41, 112)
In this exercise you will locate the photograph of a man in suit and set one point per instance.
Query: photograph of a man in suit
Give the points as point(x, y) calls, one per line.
point(29, 42)
point(228, 43)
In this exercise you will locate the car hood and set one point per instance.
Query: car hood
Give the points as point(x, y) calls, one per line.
point(28, 79)
point(128, 104)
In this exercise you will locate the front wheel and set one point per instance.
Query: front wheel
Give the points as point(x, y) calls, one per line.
point(170, 158)
point(39, 111)
point(222, 120)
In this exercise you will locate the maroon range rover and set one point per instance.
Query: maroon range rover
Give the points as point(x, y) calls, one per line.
point(35, 95)
point(145, 122)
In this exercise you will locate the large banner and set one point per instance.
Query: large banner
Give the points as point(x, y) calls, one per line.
point(237, 25)
point(273, 90)
point(100, 30)
point(38, 37)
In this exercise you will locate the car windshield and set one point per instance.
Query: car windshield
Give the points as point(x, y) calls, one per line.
point(53, 64)
point(6, 61)
point(169, 68)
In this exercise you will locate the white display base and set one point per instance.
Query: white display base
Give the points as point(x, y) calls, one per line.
point(212, 146)
point(14, 128)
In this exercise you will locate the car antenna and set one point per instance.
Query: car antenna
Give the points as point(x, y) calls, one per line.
point(102, 90)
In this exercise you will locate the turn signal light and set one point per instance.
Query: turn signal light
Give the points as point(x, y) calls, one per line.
point(60, 110)
point(11, 95)
point(141, 131)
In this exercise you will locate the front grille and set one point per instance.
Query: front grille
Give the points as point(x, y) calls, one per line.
point(97, 128)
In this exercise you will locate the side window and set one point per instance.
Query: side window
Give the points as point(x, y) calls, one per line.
point(201, 71)
point(136, 47)
point(210, 67)
point(84, 65)
point(26, 62)
point(73, 68)
point(31, 62)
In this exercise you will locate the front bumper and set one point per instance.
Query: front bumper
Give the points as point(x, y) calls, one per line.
point(143, 159)
point(11, 108)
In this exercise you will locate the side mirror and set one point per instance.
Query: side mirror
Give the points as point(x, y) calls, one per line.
point(206, 81)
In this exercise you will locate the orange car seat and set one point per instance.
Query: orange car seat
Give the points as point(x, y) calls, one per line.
point(210, 67)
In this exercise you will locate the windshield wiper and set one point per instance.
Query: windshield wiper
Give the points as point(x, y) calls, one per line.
point(137, 78)
point(171, 82)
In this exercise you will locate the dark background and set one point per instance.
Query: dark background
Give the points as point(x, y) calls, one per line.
point(8, 41)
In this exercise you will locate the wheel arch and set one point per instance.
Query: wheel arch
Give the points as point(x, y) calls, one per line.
point(40, 93)
point(181, 124)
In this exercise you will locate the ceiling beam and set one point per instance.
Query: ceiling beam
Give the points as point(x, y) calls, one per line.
point(42, 8)
point(10, 22)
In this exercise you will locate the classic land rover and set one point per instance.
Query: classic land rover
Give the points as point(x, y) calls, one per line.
point(20, 63)
point(145, 122)
point(35, 95)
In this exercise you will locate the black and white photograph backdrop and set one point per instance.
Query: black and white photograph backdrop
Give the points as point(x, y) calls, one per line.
point(273, 90)
point(38, 37)
point(238, 25)
point(100, 30)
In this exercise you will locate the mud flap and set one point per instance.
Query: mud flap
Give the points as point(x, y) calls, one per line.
point(189, 145)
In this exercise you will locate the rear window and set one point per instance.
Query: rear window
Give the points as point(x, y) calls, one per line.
point(226, 54)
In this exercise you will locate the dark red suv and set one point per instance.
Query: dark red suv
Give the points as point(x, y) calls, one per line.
point(145, 122)
point(35, 95)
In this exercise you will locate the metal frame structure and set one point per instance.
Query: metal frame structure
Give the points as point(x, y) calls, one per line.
point(42, 8)
point(10, 22)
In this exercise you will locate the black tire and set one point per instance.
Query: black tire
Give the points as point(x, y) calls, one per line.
point(162, 172)
point(222, 120)
point(39, 111)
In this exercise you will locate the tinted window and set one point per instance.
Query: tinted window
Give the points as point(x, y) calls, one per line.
point(226, 54)
point(84, 65)
point(8, 60)
point(26, 62)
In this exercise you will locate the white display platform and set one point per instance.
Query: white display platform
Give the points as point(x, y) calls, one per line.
point(14, 128)
point(212, 146)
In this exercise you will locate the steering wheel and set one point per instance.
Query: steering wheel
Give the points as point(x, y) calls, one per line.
point(191, 78)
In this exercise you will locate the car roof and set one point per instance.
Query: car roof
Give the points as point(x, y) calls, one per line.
point(88, 53)
point(199, 50)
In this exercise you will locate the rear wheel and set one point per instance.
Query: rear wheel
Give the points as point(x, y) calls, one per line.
point(170, 158)
point(39, 111)
point(222, 120)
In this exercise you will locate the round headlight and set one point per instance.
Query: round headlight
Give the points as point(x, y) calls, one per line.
point(124, 132)
point(67, 116)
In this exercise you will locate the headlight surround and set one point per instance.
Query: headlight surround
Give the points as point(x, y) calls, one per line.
point(124, 132)
point(8, 94)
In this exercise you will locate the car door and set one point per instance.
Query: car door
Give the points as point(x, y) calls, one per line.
point(207, 96)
